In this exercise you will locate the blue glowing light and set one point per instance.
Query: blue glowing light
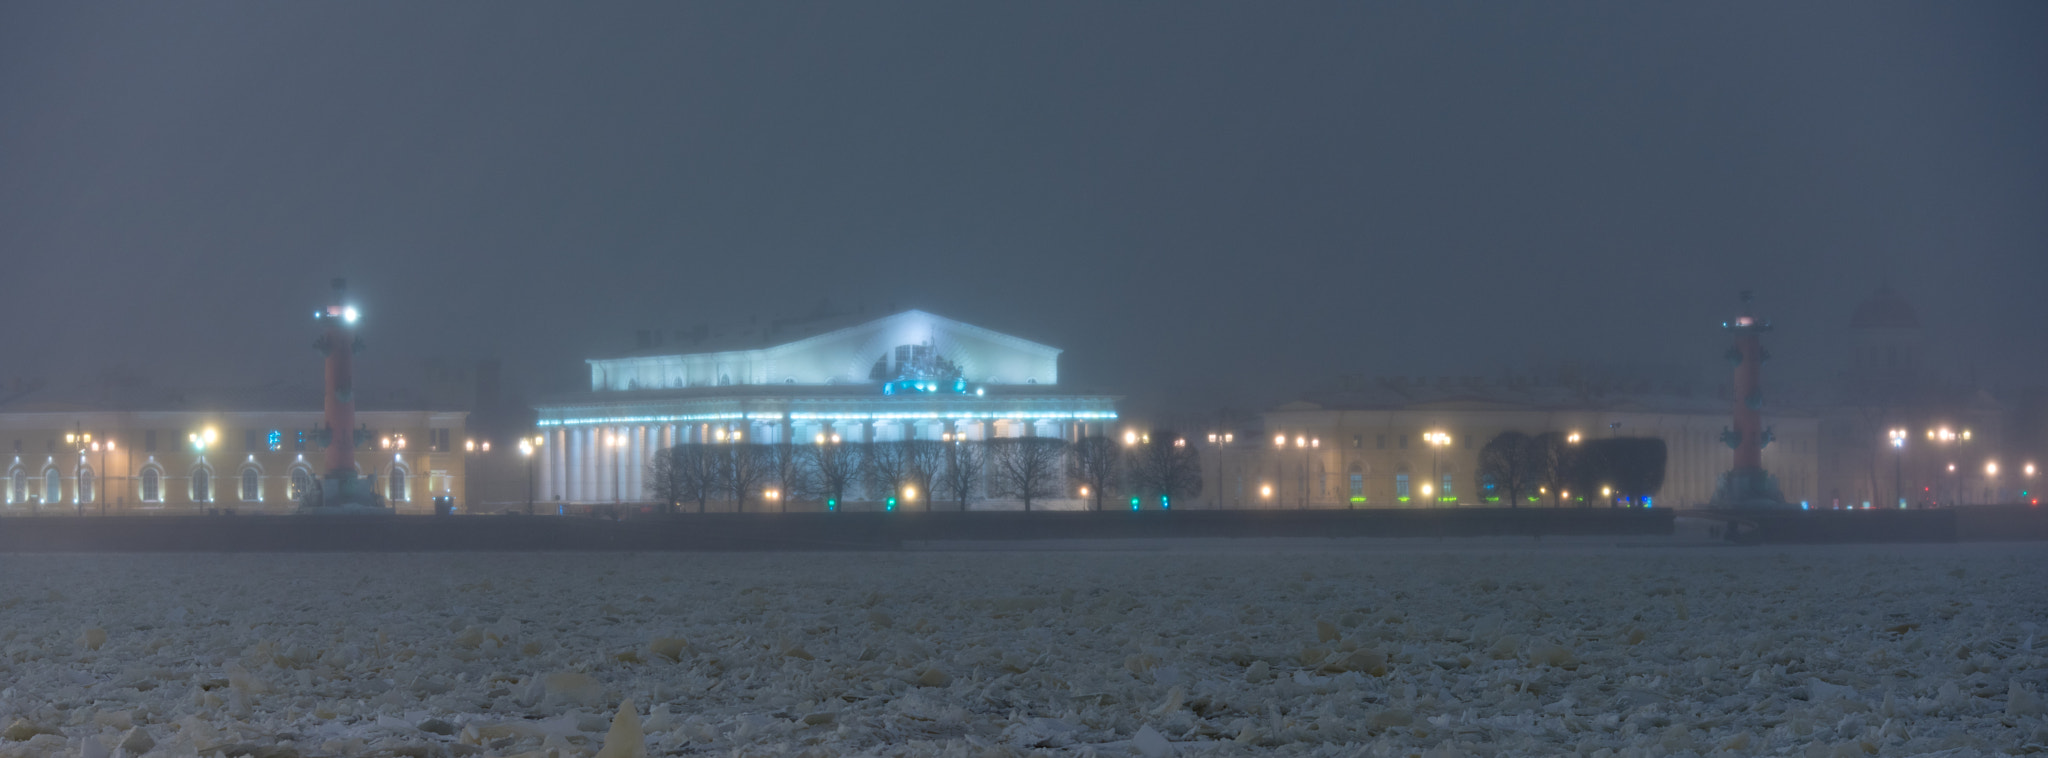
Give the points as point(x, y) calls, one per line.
point(1802, 505)
point(1646, 501)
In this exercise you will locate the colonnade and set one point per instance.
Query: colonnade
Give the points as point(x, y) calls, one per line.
point(608, 463)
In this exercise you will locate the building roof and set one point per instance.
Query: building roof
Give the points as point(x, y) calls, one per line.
point(268, 398)
point(779, 333)
point(1360, 393)
point(1885, 310)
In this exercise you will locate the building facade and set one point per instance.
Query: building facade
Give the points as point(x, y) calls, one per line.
point(1898, 432)
point(195, 456)
point(910, 375)
point(1395, 442)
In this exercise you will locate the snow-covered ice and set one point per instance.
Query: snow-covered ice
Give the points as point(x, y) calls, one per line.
point(1616, 651)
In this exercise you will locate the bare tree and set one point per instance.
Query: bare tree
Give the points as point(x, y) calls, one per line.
point(887, 469)
point(1551, 465)
point(741, 470)
point(831, 469)
point(786, 469)
point(1510, 463)
point(966, 464)
point(1167, 468)
point(684, 474)
point(927, 459)
point(1029, 468)
point(1096, 462)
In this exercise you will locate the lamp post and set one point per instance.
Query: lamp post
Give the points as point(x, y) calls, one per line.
point(103, 447)
point(83, 439)
point(1220, 441)
point(1313, 444)
point(1991, 478)
point(527, 447)
point(1946, 437)
point(1898, 466)
point(1437, 441)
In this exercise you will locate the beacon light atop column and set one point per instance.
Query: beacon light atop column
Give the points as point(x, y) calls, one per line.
point(1746, 484)
point(343, 489)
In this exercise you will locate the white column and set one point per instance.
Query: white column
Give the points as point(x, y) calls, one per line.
point(638, 463)
point(544, 470)
point(572, 464)
point(593, 462)
point(558, 462)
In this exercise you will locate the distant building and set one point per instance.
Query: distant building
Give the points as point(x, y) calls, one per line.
point(140, 451)
point(1953, 433)
point(911, 375)
point(1368, 443)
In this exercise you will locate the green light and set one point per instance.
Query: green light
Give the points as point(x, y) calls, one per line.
point(892, 504)
point(832, 504)
point(1163, 505)
point(1403, 498)
point(1134, 502)
point(1358, 498)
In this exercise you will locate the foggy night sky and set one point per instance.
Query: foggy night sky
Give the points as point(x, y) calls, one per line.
point(1202, 204)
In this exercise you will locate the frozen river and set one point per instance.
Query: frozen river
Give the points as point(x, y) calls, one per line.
point(1414, 651)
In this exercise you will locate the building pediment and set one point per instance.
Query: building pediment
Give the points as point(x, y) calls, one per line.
point(911, 345)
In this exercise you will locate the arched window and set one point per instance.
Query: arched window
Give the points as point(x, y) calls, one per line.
point(152, 485)
point(53, 486)
point(1357, 484)
point(85, 484)
point(395, 485)
point(1448, 493)
point(17, 486)
point(1401, 486)
point(302, 482)
point(252, 485)
point(202, 485)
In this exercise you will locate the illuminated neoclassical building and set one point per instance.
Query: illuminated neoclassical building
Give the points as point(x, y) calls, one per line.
point(911, 375)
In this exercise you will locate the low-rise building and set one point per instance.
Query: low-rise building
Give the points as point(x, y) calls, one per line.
point(1396, 442)
point(185, 452)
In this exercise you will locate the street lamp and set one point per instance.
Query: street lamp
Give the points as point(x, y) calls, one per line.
point(1220, 441)
point(527, 447)
point(1437, 441)
point(1898, 466)
point(103, 447)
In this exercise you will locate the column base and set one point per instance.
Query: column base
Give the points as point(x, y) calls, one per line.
point(344, 493)
point(1748, 488)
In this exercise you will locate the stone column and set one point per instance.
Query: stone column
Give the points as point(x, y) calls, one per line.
point(544, 467)
point(573, 475)
point(636, 463)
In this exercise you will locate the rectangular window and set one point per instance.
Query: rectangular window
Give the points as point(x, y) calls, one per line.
point(149, 441)
point(1468, 442)
point(299, 440)
point(1357, 488)
point(1404, 442)
point(1448, 494)
point(1381, 442)
point(1401, 487)
point(1357, 441)
point(249, 441)
point(273, 441)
